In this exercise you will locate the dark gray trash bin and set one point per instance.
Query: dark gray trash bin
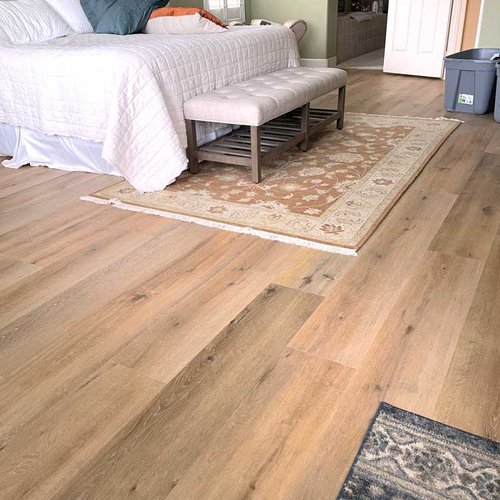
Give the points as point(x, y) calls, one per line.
point(470, 81)
point(497, 102)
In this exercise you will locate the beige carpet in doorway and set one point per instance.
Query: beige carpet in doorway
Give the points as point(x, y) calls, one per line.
point(331, 198)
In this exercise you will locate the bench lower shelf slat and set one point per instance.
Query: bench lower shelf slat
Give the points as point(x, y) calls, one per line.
point(274, 134)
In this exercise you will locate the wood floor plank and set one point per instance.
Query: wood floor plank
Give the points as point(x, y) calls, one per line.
point(39, 231)
point(25, 173)
point(53, 252)
point(75, 350)
point(43, 202)
point(33, 177)
point(155, 316)
point(345, 324)
point(470, 228)
point(390, 97)
point(451, 167)
point(53, 448)
point(494, 145)
point(267, 431)
point(12, 270)
point(434, 325)
point(233, 364)
point(423, 93)
point(80, 261)
point(38, 193)
point(45, 326)
point(175, 333)
point(312, 271)
point(44, 248)
point(470, 397)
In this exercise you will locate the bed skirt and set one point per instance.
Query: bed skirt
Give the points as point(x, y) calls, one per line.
point(30, 147)
point(27, 146)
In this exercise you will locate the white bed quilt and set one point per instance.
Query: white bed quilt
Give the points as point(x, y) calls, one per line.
point(128, 92)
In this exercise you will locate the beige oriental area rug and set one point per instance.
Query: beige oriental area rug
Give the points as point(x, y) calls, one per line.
point(331, 198)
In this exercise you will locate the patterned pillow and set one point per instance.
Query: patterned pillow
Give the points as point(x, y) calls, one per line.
point(186, 11)
point(120, 17)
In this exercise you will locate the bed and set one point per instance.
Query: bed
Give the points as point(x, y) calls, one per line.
point(113, 104)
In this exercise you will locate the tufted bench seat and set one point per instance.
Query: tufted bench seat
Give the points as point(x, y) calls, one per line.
point(274, 110)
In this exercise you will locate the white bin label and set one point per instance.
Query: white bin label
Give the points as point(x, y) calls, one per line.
point(466, 99)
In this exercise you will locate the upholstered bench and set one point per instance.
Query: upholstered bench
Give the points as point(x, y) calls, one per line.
point(274, 112)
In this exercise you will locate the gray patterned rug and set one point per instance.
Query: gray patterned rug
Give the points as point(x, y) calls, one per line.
point(406, 456)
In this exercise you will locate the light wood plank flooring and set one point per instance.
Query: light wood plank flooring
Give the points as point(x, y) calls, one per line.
point(147, 358)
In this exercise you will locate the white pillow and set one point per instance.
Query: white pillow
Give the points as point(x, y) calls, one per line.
point(71, 11)
point(30, 21)
point(182, 25)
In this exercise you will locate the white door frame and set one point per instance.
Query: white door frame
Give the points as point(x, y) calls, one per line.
point(457, 25)
point(479, 23)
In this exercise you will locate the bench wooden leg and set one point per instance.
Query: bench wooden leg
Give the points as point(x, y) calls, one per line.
point(341, 108)
point(304, 122)
point(193, 165)
point(256, 155)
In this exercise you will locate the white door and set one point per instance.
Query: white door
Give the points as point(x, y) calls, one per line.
point(417, 36)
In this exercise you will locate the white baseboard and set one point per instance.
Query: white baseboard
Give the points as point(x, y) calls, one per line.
point(319, 63)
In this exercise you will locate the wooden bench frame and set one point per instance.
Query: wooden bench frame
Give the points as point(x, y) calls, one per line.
point(250, 146)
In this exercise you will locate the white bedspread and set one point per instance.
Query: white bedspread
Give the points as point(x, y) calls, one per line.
point(127, 92)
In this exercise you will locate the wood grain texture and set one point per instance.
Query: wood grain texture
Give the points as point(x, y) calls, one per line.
point(470, 397)
point(12, 184)
point(265, 436)
point(239, 359)
point(13, 270)
point(335, 441)
point(80, 261)
point(216, 277)
point(472, 224)
point(123, 374)
point(312, 271)
point(39, 461)
point(453, 164)
point(345, 325)
point(39, 202)
point(494, 145)
point(82, 339)
point(433, 324)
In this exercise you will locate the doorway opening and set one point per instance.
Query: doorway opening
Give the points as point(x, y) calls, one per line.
point(361, 34)
point(409, 37)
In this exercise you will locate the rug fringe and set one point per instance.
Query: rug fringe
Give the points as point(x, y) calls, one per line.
point(439, 118)
point(221, 225)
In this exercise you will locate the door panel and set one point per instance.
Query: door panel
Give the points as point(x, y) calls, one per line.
point(417, 36)
point(402, 14)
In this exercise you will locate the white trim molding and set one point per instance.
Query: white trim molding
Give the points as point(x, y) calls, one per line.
point(457, 24)
point(479, 24)
point(319, 63)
